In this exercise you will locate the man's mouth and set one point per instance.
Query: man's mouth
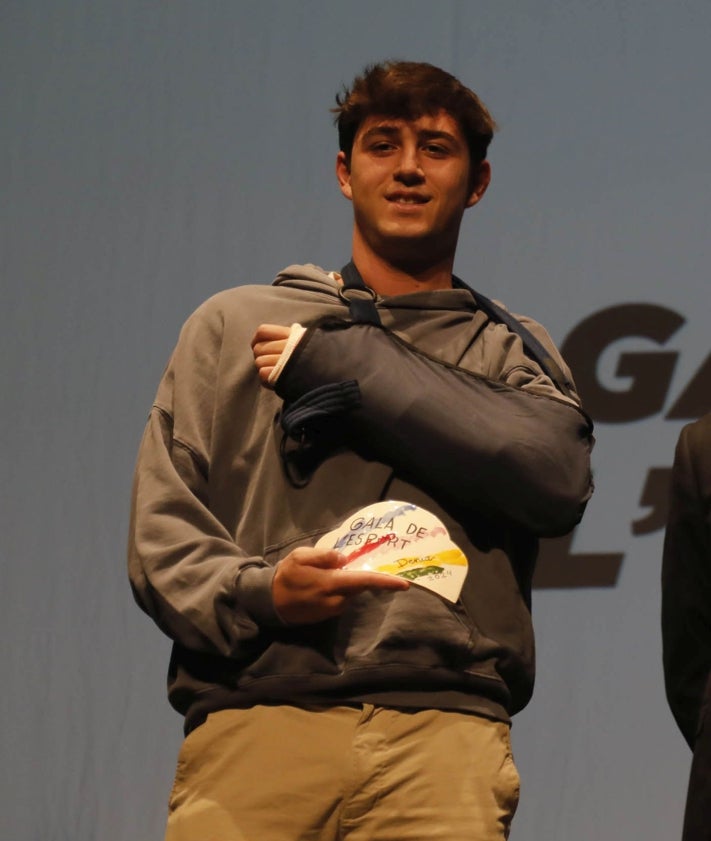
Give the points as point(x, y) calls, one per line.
point(407, 198)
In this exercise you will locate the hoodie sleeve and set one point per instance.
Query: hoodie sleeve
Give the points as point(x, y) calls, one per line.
point(509, 452)
point(185, 569)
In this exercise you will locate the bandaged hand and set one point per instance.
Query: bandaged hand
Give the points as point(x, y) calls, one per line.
point(272, 345)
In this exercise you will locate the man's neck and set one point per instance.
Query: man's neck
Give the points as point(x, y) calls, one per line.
point(387, 278)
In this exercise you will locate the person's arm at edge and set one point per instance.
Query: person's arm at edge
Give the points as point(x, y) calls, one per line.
point(686, 590)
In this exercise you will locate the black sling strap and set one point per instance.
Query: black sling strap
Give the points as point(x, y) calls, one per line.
point(359, 297)
point(361, 302)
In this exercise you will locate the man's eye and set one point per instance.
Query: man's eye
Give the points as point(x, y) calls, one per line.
point(436, 149)
point(381, 146)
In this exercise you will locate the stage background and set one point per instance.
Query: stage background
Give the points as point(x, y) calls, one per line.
point(152, 153)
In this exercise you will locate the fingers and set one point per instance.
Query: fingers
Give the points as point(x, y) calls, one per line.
point(351, 579)
point(319, 558)
point(265, 366)
point(310, 585)
point(351, 582)
point(273, 348)
point(268, 344)
point(266, 333)
point(267, 353)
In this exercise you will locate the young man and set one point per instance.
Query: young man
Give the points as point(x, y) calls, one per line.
point(686, 614)
point(322, 702)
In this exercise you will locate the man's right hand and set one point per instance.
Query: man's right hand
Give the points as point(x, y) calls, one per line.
point(310, 585)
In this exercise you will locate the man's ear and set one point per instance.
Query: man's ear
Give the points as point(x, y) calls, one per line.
point(480, 179)
point(343, 173)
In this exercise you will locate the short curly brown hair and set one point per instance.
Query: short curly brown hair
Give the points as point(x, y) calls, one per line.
point(410, 89)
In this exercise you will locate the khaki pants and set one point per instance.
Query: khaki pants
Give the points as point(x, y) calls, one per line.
point(344, 774)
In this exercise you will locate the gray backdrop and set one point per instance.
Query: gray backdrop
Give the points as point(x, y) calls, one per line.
point(152, 153)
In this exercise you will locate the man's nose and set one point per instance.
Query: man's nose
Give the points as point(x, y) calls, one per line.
point(409, 170)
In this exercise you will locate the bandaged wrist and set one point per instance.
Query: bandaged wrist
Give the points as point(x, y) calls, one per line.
point(295, 334)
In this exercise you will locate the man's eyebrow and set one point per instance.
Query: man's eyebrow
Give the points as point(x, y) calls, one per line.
point(389, 130)
point(434, 134)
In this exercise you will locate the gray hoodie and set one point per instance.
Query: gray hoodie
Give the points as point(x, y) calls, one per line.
point(451, 414)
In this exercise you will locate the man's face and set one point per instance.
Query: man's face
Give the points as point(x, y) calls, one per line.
point(410, 182)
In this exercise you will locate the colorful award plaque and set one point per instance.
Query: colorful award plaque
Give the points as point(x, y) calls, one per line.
point(398, 538)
